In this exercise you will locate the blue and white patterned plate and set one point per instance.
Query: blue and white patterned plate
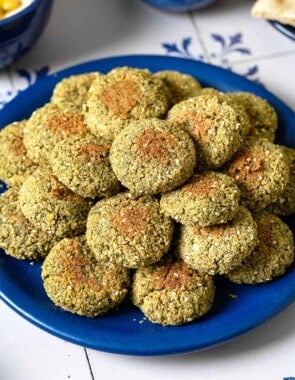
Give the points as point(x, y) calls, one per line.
point(125, 330)
point(287, 30)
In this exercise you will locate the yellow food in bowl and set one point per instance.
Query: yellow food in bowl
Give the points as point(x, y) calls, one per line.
point(10, 6)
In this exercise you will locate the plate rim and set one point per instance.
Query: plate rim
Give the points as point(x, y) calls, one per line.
point(61, 73)
point(283, 29)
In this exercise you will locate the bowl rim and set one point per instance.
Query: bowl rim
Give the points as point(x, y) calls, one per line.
point(24, 11)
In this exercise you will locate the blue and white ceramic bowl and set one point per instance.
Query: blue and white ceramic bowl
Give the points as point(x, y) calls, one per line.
point(179, 5)
point(21, 30)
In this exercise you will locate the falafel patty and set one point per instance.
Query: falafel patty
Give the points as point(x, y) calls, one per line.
point(71, 93)
point(49, 125)
point(124, 94)
point(272, 256)
point(15, 165)
point(219, 248)
point(152, 156)
point(83, 165)
point(76, 282)
point(217, 125)
point(51, 206)
point(18, 236)
point(171, 293)
point(181, 86)
point(128, 231)
point(261, 171)
point(207, 198)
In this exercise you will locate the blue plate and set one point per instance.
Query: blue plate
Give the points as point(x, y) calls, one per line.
point(287, 30)
point(125, 330)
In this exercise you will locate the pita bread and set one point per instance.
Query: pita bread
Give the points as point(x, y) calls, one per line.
point(279, 10)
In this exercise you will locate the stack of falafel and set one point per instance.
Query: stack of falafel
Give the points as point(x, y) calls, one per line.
point(148, 185)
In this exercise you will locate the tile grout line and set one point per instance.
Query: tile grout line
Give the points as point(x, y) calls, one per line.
point(199, 36)
point(89, 364)
point(264, 57)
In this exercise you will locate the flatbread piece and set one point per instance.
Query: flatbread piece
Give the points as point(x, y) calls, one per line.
point(279, 10)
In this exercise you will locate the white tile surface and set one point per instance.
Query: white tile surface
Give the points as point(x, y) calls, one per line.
point(230, 17)
point(28, 353)
point(276, 75)
point(248, 357)
point(135, 28)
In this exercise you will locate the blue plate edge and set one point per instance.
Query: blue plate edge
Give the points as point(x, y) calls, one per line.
point(283, 29)
point(275, 312)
